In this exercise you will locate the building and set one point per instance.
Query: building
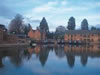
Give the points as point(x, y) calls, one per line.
point(3, 28)
point(1, 35)
point(5, 37)
point(83, 36)
point(36, 35)
point(3, 31)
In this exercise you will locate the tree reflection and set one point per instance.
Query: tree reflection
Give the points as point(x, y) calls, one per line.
point(16, 59)
point(70, 60)
point(17, 55)
point(59, 51)
point(84, 59)
point(1, 64)
point(27, 55)
point(43, 55)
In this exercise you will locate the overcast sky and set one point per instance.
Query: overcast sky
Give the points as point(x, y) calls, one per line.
point(57, 12)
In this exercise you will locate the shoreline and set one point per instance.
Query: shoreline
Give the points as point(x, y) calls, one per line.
point(14, 45)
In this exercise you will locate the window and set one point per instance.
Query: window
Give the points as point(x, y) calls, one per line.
point(84, 35)
point(99, 39)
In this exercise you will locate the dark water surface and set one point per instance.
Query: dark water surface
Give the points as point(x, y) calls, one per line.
point(50, 60)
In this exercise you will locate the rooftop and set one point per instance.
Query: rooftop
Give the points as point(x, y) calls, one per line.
point(82, 31)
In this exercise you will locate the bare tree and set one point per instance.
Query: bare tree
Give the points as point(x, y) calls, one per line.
point(16, 25)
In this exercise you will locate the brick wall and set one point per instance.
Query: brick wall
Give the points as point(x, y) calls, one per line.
point(85, 38)
point(1, 36)
point(36, 35)
point(11, 39)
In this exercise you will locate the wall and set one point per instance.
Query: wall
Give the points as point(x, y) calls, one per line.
point(7, 38)
point(36, 35)
point(1, 36)
point(93, 38)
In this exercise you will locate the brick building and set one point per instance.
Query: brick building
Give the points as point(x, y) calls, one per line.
point(1, 35)
point(3, 31)
point(5, 37)
point(87, 36)
point(36, 35)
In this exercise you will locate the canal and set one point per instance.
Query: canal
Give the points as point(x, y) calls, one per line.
point(50, 60)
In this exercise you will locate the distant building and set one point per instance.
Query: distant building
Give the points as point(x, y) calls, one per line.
point(1, 35)
point(5, 37)
point(86, 36)
point(3, 27)
point(36, 35)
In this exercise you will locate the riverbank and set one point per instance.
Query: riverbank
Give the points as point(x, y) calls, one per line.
point(14, 45)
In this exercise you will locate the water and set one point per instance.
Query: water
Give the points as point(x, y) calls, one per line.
point(50, 60)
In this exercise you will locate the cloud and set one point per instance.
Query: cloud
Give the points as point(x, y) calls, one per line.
point(32, 20)
point(5, 11)
point(57, 12)
point(93, 19)
point(4, 21)
point(64, 2)
point(45, 7)
point(57, 7)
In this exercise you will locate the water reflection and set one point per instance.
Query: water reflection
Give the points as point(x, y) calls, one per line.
point(17, 55)
point(43, 55)
point(84, 59)
point(1, 64)
point(83, 51)
point(71, 60)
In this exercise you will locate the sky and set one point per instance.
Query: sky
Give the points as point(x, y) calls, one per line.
point(56, 12)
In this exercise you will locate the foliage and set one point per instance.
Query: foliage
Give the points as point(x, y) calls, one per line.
point(44, 26)
point(71, 24)
point(93, 28)
point(16, 25)
point(60, 31)
point(27, 29)
point(50, 35)
point(84, 24)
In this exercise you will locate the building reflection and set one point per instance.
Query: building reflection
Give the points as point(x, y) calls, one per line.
point(41, 52)
point(16, 59)
point(84, 51)
point(59, 51)
point(17, 55)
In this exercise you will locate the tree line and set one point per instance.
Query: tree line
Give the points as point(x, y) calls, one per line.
point(72, 24)
point(84, 25)
point(17, 26)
